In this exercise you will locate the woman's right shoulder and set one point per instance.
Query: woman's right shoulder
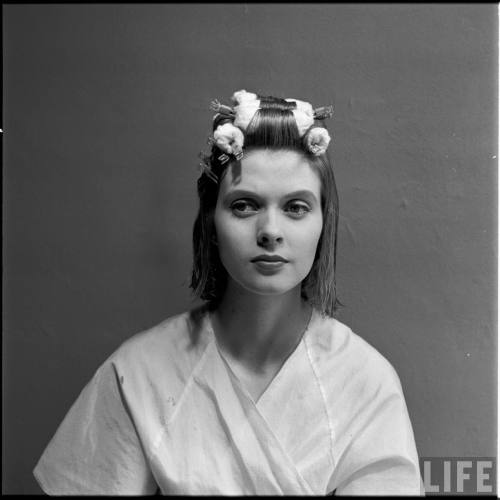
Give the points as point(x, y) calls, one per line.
point(180, 338)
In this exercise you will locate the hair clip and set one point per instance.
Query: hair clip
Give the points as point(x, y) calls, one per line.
point(223, 158)
point(216, 106)
point(323, 112)
point(205, 167)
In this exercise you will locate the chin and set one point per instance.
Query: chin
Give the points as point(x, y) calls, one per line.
point(269, 287)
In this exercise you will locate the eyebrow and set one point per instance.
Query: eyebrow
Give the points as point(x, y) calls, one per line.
point(243, 193)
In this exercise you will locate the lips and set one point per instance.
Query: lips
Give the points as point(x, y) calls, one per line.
point(269, 258)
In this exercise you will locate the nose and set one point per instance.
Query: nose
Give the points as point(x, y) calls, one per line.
point(269, 233)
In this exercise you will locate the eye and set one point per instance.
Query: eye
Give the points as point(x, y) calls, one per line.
point(297, 209)
point(243, 207)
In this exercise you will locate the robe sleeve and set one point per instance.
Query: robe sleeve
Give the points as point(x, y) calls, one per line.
point(378, 453)
point(96, 449)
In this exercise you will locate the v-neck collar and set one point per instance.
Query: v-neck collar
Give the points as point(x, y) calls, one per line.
point(279, 374)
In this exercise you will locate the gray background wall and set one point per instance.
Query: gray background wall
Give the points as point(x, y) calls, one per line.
point(105, 110)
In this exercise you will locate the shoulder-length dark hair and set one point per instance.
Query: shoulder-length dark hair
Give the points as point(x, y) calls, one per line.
point(272, 127)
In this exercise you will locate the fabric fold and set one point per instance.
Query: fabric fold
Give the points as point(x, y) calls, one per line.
point(247, 457)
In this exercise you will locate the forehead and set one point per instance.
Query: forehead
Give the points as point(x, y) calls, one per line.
point(273, 173)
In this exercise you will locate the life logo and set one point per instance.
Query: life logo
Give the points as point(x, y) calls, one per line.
point(459, 475)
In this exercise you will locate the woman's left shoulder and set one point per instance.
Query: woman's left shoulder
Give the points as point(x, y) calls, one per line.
point(337, 349)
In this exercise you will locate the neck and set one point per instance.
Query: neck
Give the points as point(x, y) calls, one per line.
point(260, 330)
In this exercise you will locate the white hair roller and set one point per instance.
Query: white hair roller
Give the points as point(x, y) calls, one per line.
point(246, 105)
point(229, 139)
point(304, 115)
point(317, 140)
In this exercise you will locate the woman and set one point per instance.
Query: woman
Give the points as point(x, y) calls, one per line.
point(261, 391)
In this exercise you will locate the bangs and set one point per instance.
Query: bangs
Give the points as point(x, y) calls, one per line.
point(273, 128)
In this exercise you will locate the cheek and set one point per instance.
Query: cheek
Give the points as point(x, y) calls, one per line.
point(231, 236)
point(310, 237)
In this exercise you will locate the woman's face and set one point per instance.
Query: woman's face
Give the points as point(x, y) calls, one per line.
point(268, 221)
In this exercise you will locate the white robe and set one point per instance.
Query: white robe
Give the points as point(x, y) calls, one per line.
point(165, 411)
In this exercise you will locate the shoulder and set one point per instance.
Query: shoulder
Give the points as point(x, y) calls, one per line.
point(349, 360)
point(178, 340)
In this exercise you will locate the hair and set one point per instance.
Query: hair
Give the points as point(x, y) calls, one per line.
point(272, 127)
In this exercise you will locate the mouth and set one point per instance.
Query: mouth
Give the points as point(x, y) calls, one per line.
point(269, 258)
